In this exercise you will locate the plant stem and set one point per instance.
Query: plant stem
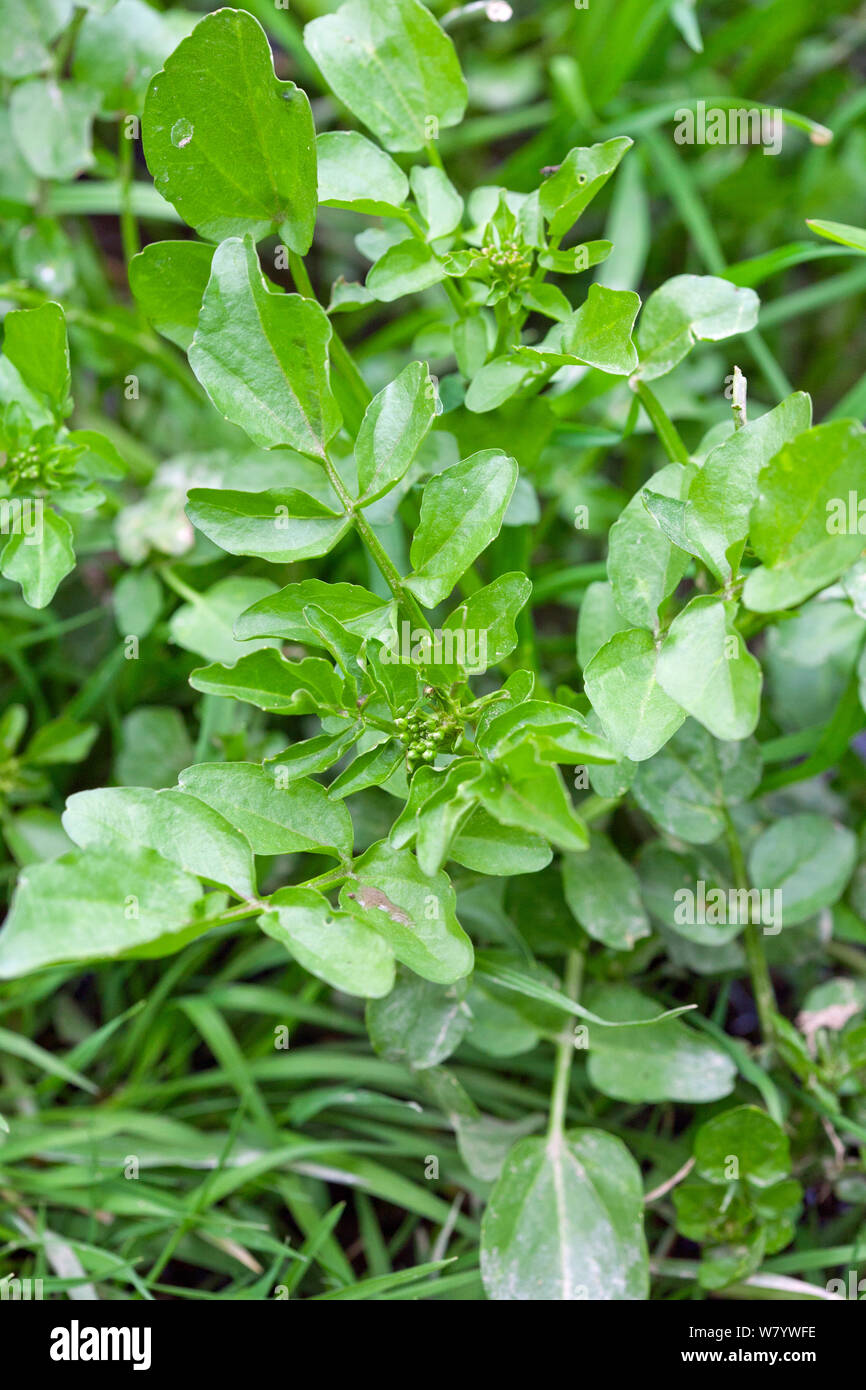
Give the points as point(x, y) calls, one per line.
point(762, 984)
point(128, 225)
point(662, 423)
point(342, 358)
point(564, 1050)
point(388, 569)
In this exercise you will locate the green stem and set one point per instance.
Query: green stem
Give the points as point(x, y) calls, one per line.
point(564, 1051)
point(128, 225)
point(448, 285)
point(388, 569)
point(340, 355)
point(662, 423)
point(759, 972)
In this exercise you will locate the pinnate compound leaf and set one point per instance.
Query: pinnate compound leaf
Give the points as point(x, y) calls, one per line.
point(179, 827)
point(565, 1222)
point(334, 946)
point(392, 65)
point(262, 356)
point(461, 512)
point(96, 905)
point(294, 819)
point(230, 146)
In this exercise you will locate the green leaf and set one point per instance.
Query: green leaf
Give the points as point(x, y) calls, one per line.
point(690, 309)
point(117, 53)
point(839, 232)
point(558, 734)
point(92, 905)
point(169, 278)
point(419, 1024)
point(438, 201)
point(29, 26)
point(622, 684)
point(178, 827)
point(809, 857)
point(255, 173)
point(666, 1062)
point(154, 747)
point(642, 565)
point(282, 614)
point(407, 268)
point(264, 678)
point(34, 340)
point(687, 785)
point(262, 357)
point(461, 512)
point(52, 123)
point(705, 666)
point(800, 524)
point(603, 893)
point(137, 601)
point(205, 626)
point(354, 173)
point(565, 1222)
point(298, 818)
point(393, 66)
point(280, 526)
point(394, 426)
point(414, 912)
point(333, 945)
point(486, 847)
point(38, 563)
point(523, 792)
point(723, 491)
point(598, 620)
point(582, 174)
point(597, 334)
point(61, 740)
point(370, 769)
point(748, 1134)
point(483, 625)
